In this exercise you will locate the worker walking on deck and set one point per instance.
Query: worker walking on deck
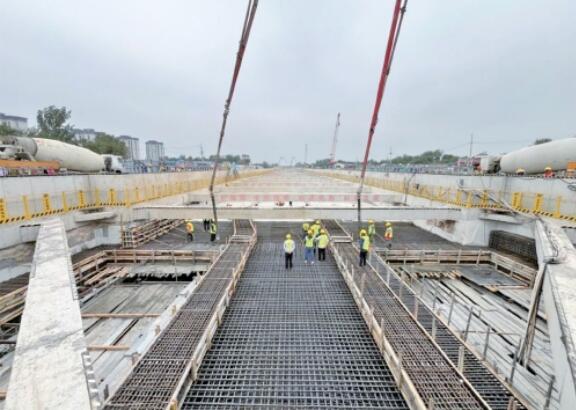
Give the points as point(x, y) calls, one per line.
point(309, 247)
point(289, 247)
point(364, 246)
point(316, 231)
point(206, 224)
point(389, 235)
point(322, 241)
point(213, 230)
point(371, 230)
point(189, 230)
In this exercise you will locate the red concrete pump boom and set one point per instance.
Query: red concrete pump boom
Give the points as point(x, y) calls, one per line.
point(397, 17)
point(248, 19)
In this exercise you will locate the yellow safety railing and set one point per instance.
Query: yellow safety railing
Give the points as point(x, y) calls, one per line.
point(27, 208)
point(527, 202)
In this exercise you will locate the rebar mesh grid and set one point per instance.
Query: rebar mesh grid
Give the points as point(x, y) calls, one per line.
point(155, 377)
point(433, 376)
point(292, 339)
point(492, 390)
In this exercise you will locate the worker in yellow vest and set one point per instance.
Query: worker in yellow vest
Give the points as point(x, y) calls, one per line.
point(305, 228)
point(389, 235)
point(371, 230)
point(213, 230)
point(189, 230)
point(322, 240)
point(364, 247)
point(309, 242)
point(316, 231)
point(289, 247)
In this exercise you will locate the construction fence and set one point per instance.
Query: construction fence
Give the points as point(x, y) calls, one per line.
point(28, 207)
point(528, 202)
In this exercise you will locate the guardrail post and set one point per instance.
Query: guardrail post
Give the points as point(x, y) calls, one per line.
point(112, 196)
point(81, 199)
point(469, 200)
point(26, 207)
point(3, 211)
point(65, 207)
point(558, 207)
point(537, 207)
point(46, 204)
point(97, 201)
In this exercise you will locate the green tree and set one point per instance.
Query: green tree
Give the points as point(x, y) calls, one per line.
point(542, 141)
point(5, 129)
point(106, 144)
point(52, 123)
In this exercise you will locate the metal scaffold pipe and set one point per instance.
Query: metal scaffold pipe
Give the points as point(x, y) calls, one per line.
point(397, 18)
point(248, 20)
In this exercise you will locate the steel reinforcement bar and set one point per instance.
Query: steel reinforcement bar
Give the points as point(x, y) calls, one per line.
point(171, 363)
point(491, 389)
point(292, 339)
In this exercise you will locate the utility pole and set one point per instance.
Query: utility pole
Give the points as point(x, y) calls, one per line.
point(470, 154)
point(305, 154)
point(334, 142)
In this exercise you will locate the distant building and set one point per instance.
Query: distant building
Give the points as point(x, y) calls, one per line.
point(245, 159)
point(87, 134)
point(132, 147)
point(154, 151)
point(14, 122)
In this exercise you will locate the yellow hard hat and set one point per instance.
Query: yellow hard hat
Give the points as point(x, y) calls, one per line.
point(388, 224)
point(548, 169)
point(371, 221)
point(288, 236)
point(322, 231)
point(318, 222)
point(363, 232)
point(310, 232)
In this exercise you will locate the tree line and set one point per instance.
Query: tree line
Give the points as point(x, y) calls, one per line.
point(53, 123)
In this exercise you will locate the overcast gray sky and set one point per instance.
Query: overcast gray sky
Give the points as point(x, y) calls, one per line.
point(503, 70)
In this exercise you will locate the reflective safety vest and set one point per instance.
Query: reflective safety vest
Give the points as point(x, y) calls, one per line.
point(371, 229)
point(289, 246)
point(189, 227)
point(316, 229)
point(366, 243)
point(213, 228)
point(323, 241)
point(389, 234)
point(309, 241)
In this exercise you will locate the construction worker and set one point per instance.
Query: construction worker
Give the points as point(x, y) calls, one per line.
point(305, 228)
point(548, 173)
point(213, 230)
point(189, 230)
point(371, 230)
point(364, 246)
point(309, 247)
point(316, 230)
point(322, 241)
point(206, 224)
point(289, 247)
point(389, 235)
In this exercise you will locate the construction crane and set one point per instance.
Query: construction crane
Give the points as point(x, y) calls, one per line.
point(248, 20)
point(395, 26)
point(334, 142)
